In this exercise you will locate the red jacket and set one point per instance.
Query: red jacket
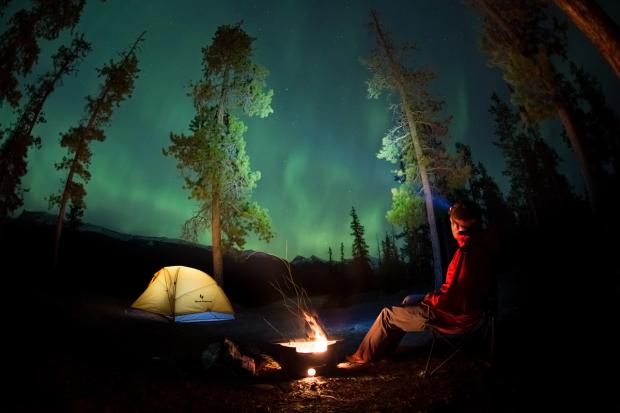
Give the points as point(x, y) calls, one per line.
point(465, 294)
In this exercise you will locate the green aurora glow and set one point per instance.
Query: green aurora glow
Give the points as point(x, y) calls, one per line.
point(316, 152)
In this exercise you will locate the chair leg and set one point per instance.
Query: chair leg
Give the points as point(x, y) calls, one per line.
point(492, 345)
point(430, 354)
point(455, 347)
point(452, 354)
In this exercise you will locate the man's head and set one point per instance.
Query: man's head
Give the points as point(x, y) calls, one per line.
point(464, 217)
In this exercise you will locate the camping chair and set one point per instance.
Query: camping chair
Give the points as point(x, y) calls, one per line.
point(456, 337)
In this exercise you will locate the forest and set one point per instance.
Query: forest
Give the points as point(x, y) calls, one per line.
point(92, 205)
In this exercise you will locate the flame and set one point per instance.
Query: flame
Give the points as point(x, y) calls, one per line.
point(317, 341)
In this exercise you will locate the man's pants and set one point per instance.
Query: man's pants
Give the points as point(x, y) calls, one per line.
point(389, 328)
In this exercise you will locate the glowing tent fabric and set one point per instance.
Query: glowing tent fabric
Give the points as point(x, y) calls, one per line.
point(185, 294)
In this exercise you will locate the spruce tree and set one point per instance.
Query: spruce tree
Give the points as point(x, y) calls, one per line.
point(359, 248)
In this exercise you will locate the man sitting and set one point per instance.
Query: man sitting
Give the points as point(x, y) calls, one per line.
point(460, 300)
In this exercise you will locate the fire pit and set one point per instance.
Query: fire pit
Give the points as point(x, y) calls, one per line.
point(314, 354)
point(305, 357)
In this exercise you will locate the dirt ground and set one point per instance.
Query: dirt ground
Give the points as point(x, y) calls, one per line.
point(102, 358)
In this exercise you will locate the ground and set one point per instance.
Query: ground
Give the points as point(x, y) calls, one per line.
point(102, 358)
point(69, 345)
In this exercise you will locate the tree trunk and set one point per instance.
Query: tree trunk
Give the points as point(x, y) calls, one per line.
point(428, 196)
point(65, 193)
point(216, 228)
point(426, 188)
point(216, 237)
point(532, 209)
point(574, 138)
point(63, 207)
point(597, 26)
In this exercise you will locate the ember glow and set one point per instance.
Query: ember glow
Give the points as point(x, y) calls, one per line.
point(316, 342)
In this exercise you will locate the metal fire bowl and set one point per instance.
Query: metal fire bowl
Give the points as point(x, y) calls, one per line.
point(298, 363)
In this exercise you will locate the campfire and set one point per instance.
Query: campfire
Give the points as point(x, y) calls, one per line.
point(307, 356)
point(316, 342)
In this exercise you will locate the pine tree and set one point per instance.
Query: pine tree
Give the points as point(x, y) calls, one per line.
point(416, 252)
point(14, 150)
point(212, 160)
point(537, 188)
point(483, 190)
point(390, 267)
point(19, 44)
point(465, 161)
point(521, 40)
point(118, 84)
point(494, 206)
point(601, 127)
point(415, 142)
point(597, 26)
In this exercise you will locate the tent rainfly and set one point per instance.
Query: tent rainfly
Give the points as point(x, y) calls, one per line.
point(186, 295)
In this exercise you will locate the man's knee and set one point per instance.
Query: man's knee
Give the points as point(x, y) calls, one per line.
point(385, 314)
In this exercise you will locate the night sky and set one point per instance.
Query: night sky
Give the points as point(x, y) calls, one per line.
point(316, 152)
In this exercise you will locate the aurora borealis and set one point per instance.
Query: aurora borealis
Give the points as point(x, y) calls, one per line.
point(316, 152)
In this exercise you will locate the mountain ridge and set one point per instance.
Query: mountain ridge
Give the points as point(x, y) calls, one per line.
point(46, 218)
point(94, 260)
